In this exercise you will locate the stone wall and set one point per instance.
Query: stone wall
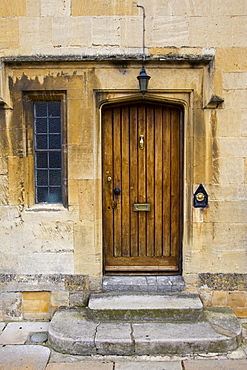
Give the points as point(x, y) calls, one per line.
point(90, 52)
point(30, 27)
point(37, 296)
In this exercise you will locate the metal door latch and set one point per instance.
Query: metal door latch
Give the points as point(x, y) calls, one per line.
point(141, 142)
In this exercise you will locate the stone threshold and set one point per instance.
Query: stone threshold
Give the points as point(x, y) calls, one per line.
point(145, 283)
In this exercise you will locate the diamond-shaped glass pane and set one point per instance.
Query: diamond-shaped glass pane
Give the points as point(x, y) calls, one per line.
point(54, 125)
point(41, 159)
point(55, 177)
point(54, 109)
point(42, 177)
point(55, 195)
point(55, 141)
point(40, 109)
point(41, 141)
point(55, 160)
point(41, 125)
point(42, 195)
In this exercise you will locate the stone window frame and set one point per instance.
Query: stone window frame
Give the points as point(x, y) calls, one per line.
point(29, 98)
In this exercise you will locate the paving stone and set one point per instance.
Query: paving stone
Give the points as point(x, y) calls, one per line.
point(19, 332)
point(239, 354)
point(153, 365)
point(80, 366)
point(114, 338)
point(215, 365)
point(19, 357)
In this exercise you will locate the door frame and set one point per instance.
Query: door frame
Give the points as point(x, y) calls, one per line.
point(183, 99)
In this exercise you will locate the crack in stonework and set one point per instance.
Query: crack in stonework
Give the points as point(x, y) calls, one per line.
point(94, 338)
point(132, 337)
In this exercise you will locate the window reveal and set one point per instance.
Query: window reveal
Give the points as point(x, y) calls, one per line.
point(48, 151)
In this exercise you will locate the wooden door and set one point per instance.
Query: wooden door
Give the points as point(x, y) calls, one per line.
point(143, 160)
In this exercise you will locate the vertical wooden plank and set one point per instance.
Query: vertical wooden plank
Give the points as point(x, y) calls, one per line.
point(158, 182)
point(142, 179)
point(133, 181)
point(117, 183)
point(166, 182)
point(107, 170)
point(150, 142)
point(175, 196)
point(125, 183)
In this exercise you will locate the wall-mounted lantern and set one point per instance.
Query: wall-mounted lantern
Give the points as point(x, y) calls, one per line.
point(143, 78)
point(200, 197)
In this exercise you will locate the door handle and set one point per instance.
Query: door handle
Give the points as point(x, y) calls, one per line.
point(117, 191)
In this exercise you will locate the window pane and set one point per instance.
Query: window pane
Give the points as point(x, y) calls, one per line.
point(55, 195)
point(48, 151)
point(41, 160)
point(40, 109)
point(55, 160)
point(41, 141)
point(55, 125)
point(55, 141)
point(41, 125)
point(42, 177)
point(54, 109)
point(55, 177)
point(42, 195)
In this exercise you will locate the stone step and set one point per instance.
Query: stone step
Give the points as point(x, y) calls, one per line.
point(145, 306)
point(71, 332)
point(143, 284)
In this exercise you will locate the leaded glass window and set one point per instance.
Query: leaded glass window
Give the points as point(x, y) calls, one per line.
point(48, 151)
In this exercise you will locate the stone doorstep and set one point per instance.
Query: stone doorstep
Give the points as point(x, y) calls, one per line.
point(145, 306)
point(71, 332)
point(143, 284)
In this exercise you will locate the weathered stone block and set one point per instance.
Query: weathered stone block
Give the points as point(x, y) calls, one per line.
point(15, 8)
point(219, 298)
point(205, 32)
point(235, 80)
point(237, 62)
point(221, 281)
point(55, 8)
point(175, 24)
point(59, 299)
point(240, 312)
point(4, 194)
point(9, 33)
point(111, 37)
point(33, 302)
point(35, 34)
point(102, 7)
point(33, 8)
point(10, 306)
point(78, 298)
point(65, 32)
point(3, 165)
point(84, 159)
point(237, 299)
